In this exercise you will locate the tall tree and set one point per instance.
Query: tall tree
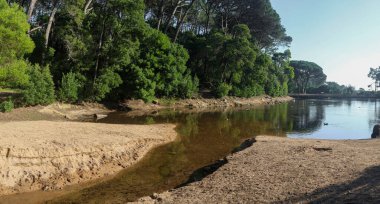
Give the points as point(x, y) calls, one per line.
point(374, 74)
point(32, 5)
point(307, 74)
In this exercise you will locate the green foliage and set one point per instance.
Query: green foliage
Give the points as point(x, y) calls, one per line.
point(120, 55)
point(374, 74)
point(233, 60)
point(108, 51)
point(222, 90)
point(15, 43)
point(7, 106)
point(40, 89)
point(71, 86)
point(104, 84)
point(264, 23)
point(280, 72)
point(307, 75)
point(15, 74)
point(161, 68)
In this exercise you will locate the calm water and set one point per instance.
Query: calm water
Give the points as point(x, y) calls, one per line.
point(208, 136)
point(333, 119)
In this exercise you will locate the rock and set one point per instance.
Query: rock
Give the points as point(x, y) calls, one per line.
point(376, 131)
point(155, 102)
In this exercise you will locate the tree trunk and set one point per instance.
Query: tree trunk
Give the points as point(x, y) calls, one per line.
point(50, 23)
point(100, 45)
point(182, 20)
point(207, 22)
point(31, 8)
point(172, 15)
point(87, 6)
point(160, 14)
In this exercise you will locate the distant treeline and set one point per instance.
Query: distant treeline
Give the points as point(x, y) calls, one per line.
point(310, 79)
point(94, 50)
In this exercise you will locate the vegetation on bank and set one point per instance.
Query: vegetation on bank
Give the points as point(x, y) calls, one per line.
point(87, 50)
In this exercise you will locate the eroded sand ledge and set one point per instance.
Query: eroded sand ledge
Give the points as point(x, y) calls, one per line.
point(282, 170)
point(47, 155)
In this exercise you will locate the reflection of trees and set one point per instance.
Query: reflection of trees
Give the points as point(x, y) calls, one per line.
point(204, 138)
point(307, 116)
point(374, 114)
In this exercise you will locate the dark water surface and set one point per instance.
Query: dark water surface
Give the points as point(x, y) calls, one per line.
point(205, 137)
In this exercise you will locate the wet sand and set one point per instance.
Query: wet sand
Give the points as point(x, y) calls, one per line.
point(283, 170)
point(47, 155)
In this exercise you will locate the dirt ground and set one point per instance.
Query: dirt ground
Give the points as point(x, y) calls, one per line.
point(282, 170)
point(202, 103)
point(55, 112)
point(46, 155)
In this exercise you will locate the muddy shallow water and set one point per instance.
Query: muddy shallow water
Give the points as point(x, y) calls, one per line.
point(206, 137)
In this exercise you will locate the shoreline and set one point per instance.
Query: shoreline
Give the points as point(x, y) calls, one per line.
point(80, 165)
point(278, 170)
point(34, 159)
point(200, 103)
point(140, 108)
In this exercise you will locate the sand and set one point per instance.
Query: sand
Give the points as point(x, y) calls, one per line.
point(282, 170)
point(46, 155)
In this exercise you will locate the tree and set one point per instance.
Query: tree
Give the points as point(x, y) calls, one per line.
point(40, 88)
point(279, 74)
point(15, 44)
point(201, 16)
point(116, 52)
point(374, 74)
point(307, 74)
point(263, 21)
point(116, 49)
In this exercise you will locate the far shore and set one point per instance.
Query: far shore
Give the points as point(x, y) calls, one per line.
point(283, 170)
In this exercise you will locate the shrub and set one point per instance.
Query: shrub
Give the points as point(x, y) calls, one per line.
point(223, 90)
point(40, 89)
point(70, 88)
point(7, 106)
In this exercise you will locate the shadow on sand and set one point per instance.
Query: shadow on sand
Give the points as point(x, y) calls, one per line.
point(365, 189)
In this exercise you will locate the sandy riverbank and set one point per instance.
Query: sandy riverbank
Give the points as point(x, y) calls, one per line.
point(47, 155)
point(203, 103)
point(55, 112)
point(278, 170)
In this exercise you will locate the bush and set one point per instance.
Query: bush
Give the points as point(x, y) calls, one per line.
point(7, 106)
point(104, 84)
point(40, 89)
point(223, 90)
point(70, 88)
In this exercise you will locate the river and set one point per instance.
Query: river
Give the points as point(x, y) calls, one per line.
point(205, 137)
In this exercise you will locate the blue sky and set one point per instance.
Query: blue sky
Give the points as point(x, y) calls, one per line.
point(342, 36)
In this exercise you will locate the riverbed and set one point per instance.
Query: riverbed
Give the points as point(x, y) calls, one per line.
point(210, 135)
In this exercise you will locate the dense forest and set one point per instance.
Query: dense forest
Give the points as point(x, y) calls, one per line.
point(94, 50)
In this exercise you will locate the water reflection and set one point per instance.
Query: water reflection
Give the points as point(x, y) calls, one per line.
point(203, 138)
point(307, 116)
point(334, 119)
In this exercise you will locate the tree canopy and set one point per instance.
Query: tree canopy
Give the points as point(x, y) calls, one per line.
point(306, 75)
point(374, 74)
point(15, 44)
point(98, 50)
